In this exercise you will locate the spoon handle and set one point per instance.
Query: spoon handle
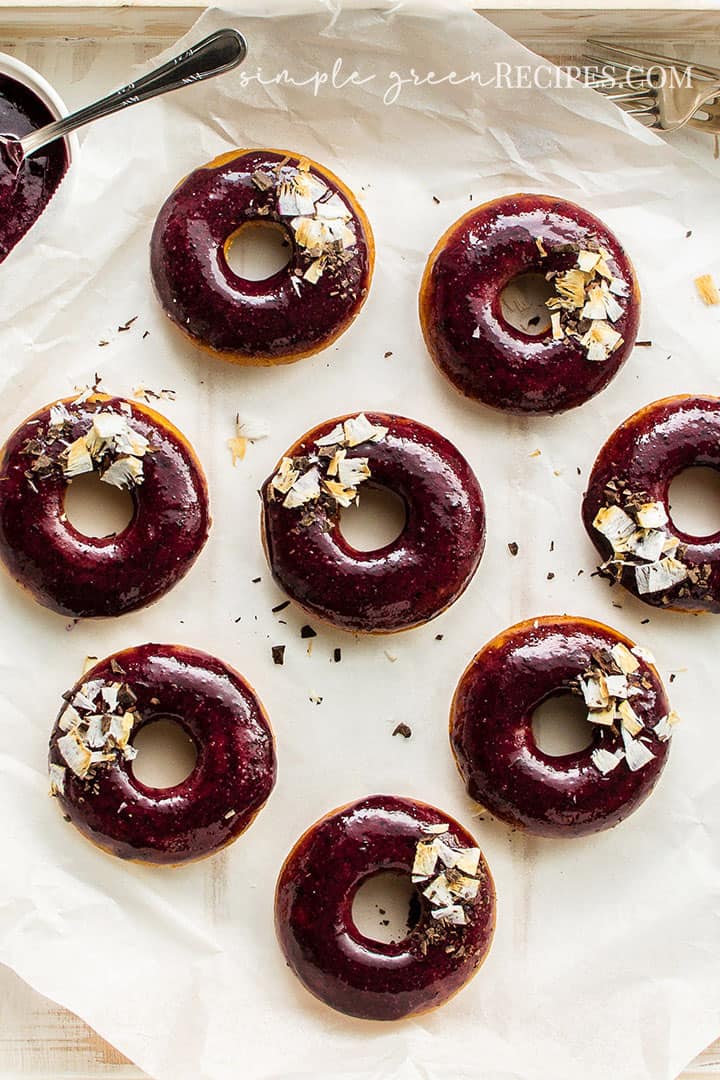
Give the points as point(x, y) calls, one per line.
point(220, 52)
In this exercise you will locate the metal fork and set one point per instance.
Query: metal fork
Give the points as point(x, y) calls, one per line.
point(637, 83)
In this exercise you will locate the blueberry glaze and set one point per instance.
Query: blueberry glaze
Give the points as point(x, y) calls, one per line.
point(465, 331)
point(644, 455)
point(279, 319)
point(25, 194)
point(84, 576)
point(322, 944)
point(494, 746)
point(232, 779)
point(410, 580)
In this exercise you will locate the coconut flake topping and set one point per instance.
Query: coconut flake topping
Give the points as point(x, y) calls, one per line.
point(327, 475)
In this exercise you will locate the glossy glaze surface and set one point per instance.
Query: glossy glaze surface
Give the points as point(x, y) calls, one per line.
point(24, 195)
point(410, 580)
point(322, 945)
point(645, 454)
point(276, 320)
point(494, 745)
point(232, 779)
point(85, 576)
point(469, 339)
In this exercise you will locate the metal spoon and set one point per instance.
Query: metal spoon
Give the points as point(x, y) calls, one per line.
point(220, 52)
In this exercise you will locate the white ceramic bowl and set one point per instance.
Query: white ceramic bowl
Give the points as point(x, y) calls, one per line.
point(16, 69)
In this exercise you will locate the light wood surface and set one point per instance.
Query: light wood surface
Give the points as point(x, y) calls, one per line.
point(38, 1038)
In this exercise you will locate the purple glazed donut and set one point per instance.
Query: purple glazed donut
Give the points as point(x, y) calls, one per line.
point(492, 736)
point(295, 312)
point(132, 447)
point(627, 514)
point(410, 580)
point(455, 896)
point(595, 308)
point(91, 755)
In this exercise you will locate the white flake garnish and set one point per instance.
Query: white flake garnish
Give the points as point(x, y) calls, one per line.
point(77, 459)
point(246, 431)
point(643, 654)
point(286, 476)
point(624, 658)
point(426, 857)
point(605, 716)
point(600, 340)
point(594, 691)
point(454, 914)
point(57, 779)
point(352, 471)
point(333, 438)
point(69, 718)
point(305, 489)
point(663, 729)
point(476, 332)
point(617, 686)
point(343, 496)
point(124, 472)
point(631, 722)
point(658, 576)
point(606, 760)
point(555, 322)
point(637, 753)
point(59, 415)
point(615, 525)
point(651, 515)
point(75, 753)
point(358, 429)
point(646, 544)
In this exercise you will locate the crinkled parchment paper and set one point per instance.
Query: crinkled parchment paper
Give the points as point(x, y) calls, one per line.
point(607, 951)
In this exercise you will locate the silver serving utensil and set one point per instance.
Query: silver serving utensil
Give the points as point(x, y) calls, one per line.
point(220, 52)
point(635, 83)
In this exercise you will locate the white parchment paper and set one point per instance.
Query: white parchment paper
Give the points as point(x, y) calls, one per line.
point(607, 950)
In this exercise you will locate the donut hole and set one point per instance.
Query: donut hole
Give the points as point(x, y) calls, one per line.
point(166, 755)
point(694, 501)
point(97, 509)
point(258, 250)
point(523, 304)
point(375, 521)
point(386, 907)
point(560, 726)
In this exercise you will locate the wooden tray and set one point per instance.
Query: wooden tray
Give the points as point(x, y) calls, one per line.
point(99, 42)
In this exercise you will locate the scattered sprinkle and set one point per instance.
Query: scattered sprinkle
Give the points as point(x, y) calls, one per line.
point(404, 730)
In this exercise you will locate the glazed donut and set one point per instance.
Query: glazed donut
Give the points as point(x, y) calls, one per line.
point(295, 312)
point(131, 447)
point(314, 897)
point(626, 510)
point(91, 754)
point(410, 580)
point(595, 308)
point(492, 737)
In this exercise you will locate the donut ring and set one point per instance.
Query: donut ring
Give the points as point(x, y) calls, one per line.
point(295, 312)
point(627, 514)
point(91, 755)
point(410, 580)
point(313, 909)
point(493, 742)
point(87, 576)
point(472, 343)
